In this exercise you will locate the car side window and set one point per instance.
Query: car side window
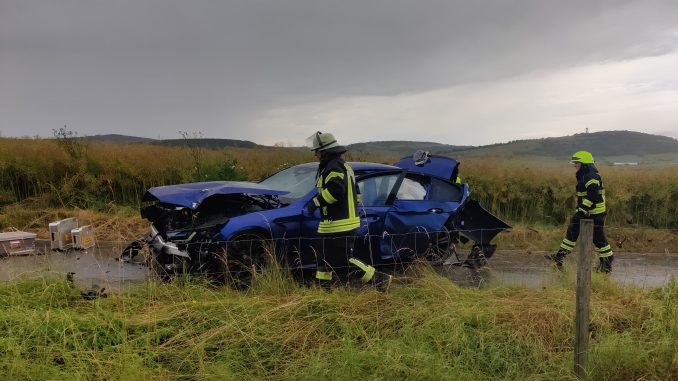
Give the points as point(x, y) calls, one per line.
point(443, 191)
point(375, 190)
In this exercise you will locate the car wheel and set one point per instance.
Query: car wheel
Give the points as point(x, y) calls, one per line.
point(440, 247)
point(165, 267)
point(243, 257)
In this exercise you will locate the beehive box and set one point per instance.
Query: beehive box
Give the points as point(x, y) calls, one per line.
point(60, 233)
point(17, 243)
point(83, 237)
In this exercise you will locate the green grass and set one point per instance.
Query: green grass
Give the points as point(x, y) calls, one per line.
point(517, 189)
point(539, 237)
point(427, 329)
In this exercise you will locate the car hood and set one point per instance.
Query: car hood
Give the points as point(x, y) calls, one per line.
point(192, 194)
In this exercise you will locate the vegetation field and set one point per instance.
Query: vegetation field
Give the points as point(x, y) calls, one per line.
point(69, 173)
point(428, 329)
point(42, 180)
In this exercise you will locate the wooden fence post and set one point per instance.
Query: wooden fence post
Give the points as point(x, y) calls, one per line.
point(581, 330)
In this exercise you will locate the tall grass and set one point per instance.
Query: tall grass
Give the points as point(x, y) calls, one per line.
point(430, 329)
point(516, 191)
point(122, 173)
point(530, 193)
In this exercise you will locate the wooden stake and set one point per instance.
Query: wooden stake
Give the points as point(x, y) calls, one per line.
point(581, 330)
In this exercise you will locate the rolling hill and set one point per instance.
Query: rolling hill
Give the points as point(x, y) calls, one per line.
point(206, 143)
point(606, 146)
point(115, 139)
point(403, 148)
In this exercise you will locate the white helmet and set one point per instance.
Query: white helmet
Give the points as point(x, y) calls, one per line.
point(324, 141)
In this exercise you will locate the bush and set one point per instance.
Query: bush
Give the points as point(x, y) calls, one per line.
point(224, 170)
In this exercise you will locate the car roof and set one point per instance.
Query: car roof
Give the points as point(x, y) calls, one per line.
point(360, 166)
point(438, 166)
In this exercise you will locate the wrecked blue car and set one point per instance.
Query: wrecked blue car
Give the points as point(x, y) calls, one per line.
point(409, 210)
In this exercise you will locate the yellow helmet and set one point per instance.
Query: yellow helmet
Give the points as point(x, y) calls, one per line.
point(583, 157)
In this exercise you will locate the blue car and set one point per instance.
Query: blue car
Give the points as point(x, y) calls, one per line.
point(409, 210)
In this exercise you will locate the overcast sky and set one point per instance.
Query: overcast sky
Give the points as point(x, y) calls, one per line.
point(455, 72)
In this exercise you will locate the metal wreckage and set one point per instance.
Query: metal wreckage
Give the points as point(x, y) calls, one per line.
point(414, 209)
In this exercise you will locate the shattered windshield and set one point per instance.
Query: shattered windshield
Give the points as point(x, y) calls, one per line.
point(297, 180)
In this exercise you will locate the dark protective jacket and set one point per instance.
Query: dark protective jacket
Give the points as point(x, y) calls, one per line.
point(590, 191)
point(337, 196)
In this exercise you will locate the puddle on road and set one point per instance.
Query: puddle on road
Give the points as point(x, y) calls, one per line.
point(99, 265)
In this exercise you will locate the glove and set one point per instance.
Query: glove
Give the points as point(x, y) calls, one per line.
point(581, 213)
point(311, 207)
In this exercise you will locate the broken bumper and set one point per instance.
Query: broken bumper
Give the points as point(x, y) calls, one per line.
point(155, 240)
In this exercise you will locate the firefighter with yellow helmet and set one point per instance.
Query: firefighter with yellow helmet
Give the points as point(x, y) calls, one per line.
point(338, 198)
point(590, 205)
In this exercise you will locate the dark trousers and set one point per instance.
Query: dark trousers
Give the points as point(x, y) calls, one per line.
point(334, 250)
point(600, 242)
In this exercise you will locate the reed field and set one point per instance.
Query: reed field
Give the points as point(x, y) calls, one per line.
point(427, 329)
point(47, 175)
point(527, 192)
point(98, 174)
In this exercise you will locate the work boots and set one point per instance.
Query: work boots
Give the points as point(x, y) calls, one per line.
point(325, 285)
point(324, 279)
point(558, 257)
point(475, 259)
point(605, 264)
point(382, 281)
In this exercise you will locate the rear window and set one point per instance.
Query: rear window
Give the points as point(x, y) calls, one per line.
point(440, 190)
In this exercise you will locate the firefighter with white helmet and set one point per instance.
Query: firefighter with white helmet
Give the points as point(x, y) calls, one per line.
point(338, 197)
point(590, 205)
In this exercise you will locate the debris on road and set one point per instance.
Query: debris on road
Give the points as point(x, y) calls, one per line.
point(17, 243)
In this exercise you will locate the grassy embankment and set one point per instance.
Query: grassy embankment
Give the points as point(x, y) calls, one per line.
point(430, 329)
point(44, 180)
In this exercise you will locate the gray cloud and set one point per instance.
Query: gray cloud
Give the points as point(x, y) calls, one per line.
point(152, 68)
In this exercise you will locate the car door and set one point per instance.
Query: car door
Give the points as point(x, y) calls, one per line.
point(375, 191)
point(421, 206)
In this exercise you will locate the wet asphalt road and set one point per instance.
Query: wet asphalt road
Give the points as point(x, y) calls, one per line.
point(99, 265)
point(517, 268)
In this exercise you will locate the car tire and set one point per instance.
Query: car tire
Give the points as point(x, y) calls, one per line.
point(440, 246)
point(243, 257)
point(165, 271)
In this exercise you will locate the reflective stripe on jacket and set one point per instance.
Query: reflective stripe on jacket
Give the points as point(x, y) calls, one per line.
point(337, 198)
point(590, 190)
